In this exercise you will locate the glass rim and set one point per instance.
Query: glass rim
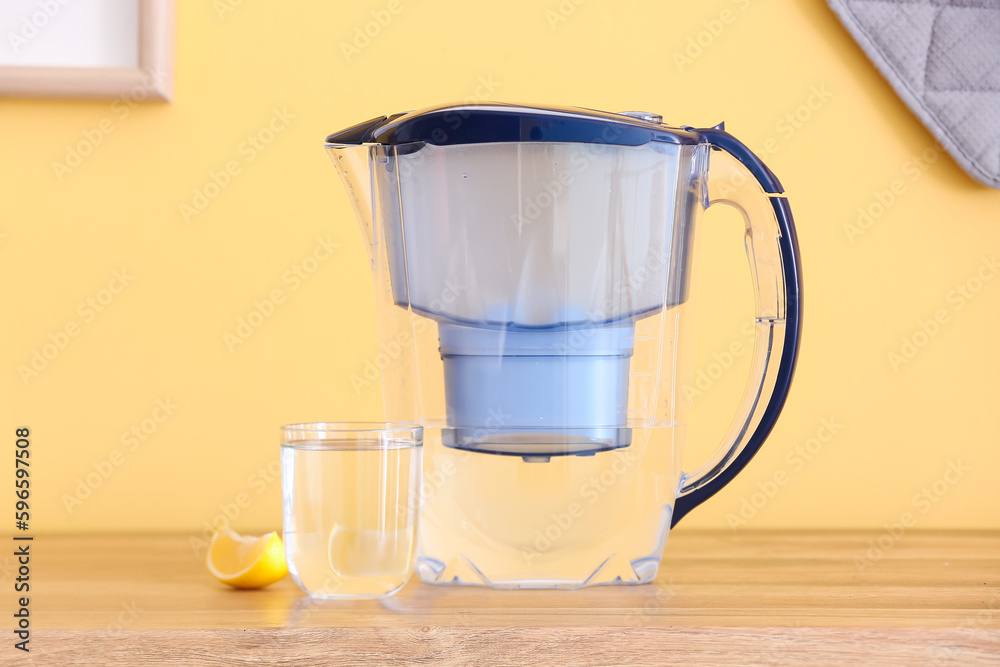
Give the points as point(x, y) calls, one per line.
point(352, 427)
point(352, 435)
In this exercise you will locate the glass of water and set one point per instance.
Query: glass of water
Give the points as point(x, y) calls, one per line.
point(350, 497)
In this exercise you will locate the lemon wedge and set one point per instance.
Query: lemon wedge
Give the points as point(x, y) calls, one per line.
point(357, 552)
point(246, 562)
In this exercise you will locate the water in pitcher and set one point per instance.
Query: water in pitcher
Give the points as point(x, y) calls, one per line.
point(351, 520)
point(565, 523)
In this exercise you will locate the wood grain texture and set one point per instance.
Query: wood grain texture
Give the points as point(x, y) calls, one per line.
point(721, 599)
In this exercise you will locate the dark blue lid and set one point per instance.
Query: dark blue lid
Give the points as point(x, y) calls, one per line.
point(493, 122)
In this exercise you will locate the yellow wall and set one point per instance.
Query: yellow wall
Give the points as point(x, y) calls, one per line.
point(161, 337)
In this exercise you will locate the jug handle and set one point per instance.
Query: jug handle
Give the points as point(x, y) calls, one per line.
point(738, 178)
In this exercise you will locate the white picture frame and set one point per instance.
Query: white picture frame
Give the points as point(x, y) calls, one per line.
point(151, 79)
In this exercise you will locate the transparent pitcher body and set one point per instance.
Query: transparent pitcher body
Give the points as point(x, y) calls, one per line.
point(536, 310)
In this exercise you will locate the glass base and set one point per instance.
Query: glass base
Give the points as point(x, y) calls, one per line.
point(318, 595)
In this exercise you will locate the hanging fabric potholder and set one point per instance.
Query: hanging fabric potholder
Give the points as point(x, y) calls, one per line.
point(943, 58)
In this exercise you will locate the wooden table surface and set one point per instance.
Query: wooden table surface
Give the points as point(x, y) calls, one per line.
point(720, 599)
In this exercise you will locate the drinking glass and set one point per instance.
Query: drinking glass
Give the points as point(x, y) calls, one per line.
point(350, 498)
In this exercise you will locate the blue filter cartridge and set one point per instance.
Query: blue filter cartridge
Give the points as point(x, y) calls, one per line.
point(537, 393)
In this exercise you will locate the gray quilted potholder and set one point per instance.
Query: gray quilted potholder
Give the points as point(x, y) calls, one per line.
point(943, 59)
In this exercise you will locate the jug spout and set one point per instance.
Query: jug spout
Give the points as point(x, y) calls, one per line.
point(351, 154)
point(352, 163)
